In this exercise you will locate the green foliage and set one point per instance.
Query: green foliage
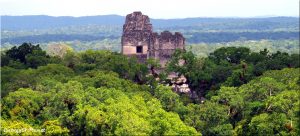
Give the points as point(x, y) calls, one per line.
point(36, 59)
point(19, 53)
point(267, 125)
point(92, 111)
point(105, 93)
point(196, 70)
point(228, 66)
point(230, 54)
point(170, 100)
point(29, 55)
point(127, 68)
point(92, 102)
point(54, 128)
point(39, 78)
point(24, 105)
point(267, 105)
point(210, 118)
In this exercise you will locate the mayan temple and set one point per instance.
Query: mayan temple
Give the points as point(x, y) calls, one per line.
point(139, 40)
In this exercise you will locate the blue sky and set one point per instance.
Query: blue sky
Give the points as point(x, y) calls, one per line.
point(153, 8)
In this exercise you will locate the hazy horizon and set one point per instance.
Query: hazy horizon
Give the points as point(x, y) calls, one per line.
point(263, 16)
point(155, 9)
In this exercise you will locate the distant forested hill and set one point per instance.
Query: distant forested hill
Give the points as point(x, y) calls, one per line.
point(104, 32)
point(46, 22)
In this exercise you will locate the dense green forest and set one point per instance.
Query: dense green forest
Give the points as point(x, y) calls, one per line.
point(236, 91)
point(243, 74)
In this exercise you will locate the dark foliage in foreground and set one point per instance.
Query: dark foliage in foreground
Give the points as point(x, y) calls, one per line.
point(106, 93)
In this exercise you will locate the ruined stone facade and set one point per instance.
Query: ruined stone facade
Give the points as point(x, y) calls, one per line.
point(139, 40)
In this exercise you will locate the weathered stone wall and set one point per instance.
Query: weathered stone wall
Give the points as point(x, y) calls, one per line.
point(164, 45)
point(137, 33)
